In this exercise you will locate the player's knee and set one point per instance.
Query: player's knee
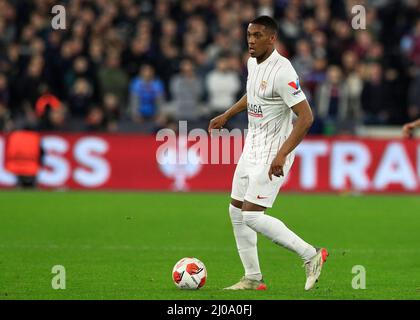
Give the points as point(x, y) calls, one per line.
point(250, 218)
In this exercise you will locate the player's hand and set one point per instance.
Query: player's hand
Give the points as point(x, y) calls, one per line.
point(217, 122)
point(277, 166)
point(408, 130)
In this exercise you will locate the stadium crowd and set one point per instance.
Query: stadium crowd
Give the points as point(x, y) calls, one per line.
point(140, 65)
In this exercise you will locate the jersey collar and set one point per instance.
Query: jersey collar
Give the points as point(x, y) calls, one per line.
point(272, 56)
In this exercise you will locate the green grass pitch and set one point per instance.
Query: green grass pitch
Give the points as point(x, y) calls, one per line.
point(124, 245)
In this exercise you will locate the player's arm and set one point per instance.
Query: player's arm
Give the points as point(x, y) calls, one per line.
point(409, 127)
point(219, 121)
point(300, 128)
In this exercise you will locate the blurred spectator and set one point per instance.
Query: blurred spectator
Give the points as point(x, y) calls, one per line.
point(319, 43)
point(112, 110)
point(4, 90)
point(323, 16)
point(167, 64)
point(49, 111)
point(81, 98)
point(146, 94)
point(410, 44)
point(220, 45)
point(222, 85)
point(7, 33)
point(316, 76)
point(169, 31)
point(29, 84)
point(80, 69)
point(342, 40)
point(374, 97)
point(414, 98)
point(354, 83)
point(395, 97)
point(46, 99)
point(303, 60)
point(199, 60)
point(137, 54)
point(112, 78)
point(54, 119)
point(265, 7)
point(375, 53)
point(187, 90)
point(373, 23)
point(95, 120)
point(290, 26)
point(363, 44)
point(6, 123)
point(309, 28)
point(332, 102)
point(6, 96)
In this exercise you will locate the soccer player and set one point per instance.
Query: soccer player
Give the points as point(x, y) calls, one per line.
point(273, 94)
point(409, 127)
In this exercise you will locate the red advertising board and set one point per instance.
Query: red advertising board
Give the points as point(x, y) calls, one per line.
point(139, 162)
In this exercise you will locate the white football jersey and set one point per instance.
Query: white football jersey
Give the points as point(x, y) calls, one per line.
point(272, 89)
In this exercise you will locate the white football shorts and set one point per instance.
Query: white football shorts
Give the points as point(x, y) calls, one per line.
point(251, 182)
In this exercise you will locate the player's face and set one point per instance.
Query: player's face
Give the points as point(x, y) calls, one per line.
point(260, 39)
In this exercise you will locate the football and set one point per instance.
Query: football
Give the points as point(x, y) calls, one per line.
point(189, 273)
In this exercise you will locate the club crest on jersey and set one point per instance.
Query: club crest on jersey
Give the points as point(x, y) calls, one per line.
point(263, 85)
point(295, 85)
point(255, 110)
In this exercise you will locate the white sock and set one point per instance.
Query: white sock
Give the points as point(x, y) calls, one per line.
point(277, 232)
point(246, 242)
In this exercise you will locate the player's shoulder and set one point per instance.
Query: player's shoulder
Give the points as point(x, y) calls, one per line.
point(284, 62)
point(251, 62)
point(286, 67)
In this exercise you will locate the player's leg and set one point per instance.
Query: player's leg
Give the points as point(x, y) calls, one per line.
point(274, 229)
point(277, 231)
point(245, 237)
point(246, 241)
point(261, 195)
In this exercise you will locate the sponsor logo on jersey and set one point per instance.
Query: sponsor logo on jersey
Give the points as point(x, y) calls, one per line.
point(295, 85)
point(255, 110)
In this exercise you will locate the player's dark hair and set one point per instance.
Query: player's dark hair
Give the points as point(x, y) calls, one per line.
point(267, 22)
